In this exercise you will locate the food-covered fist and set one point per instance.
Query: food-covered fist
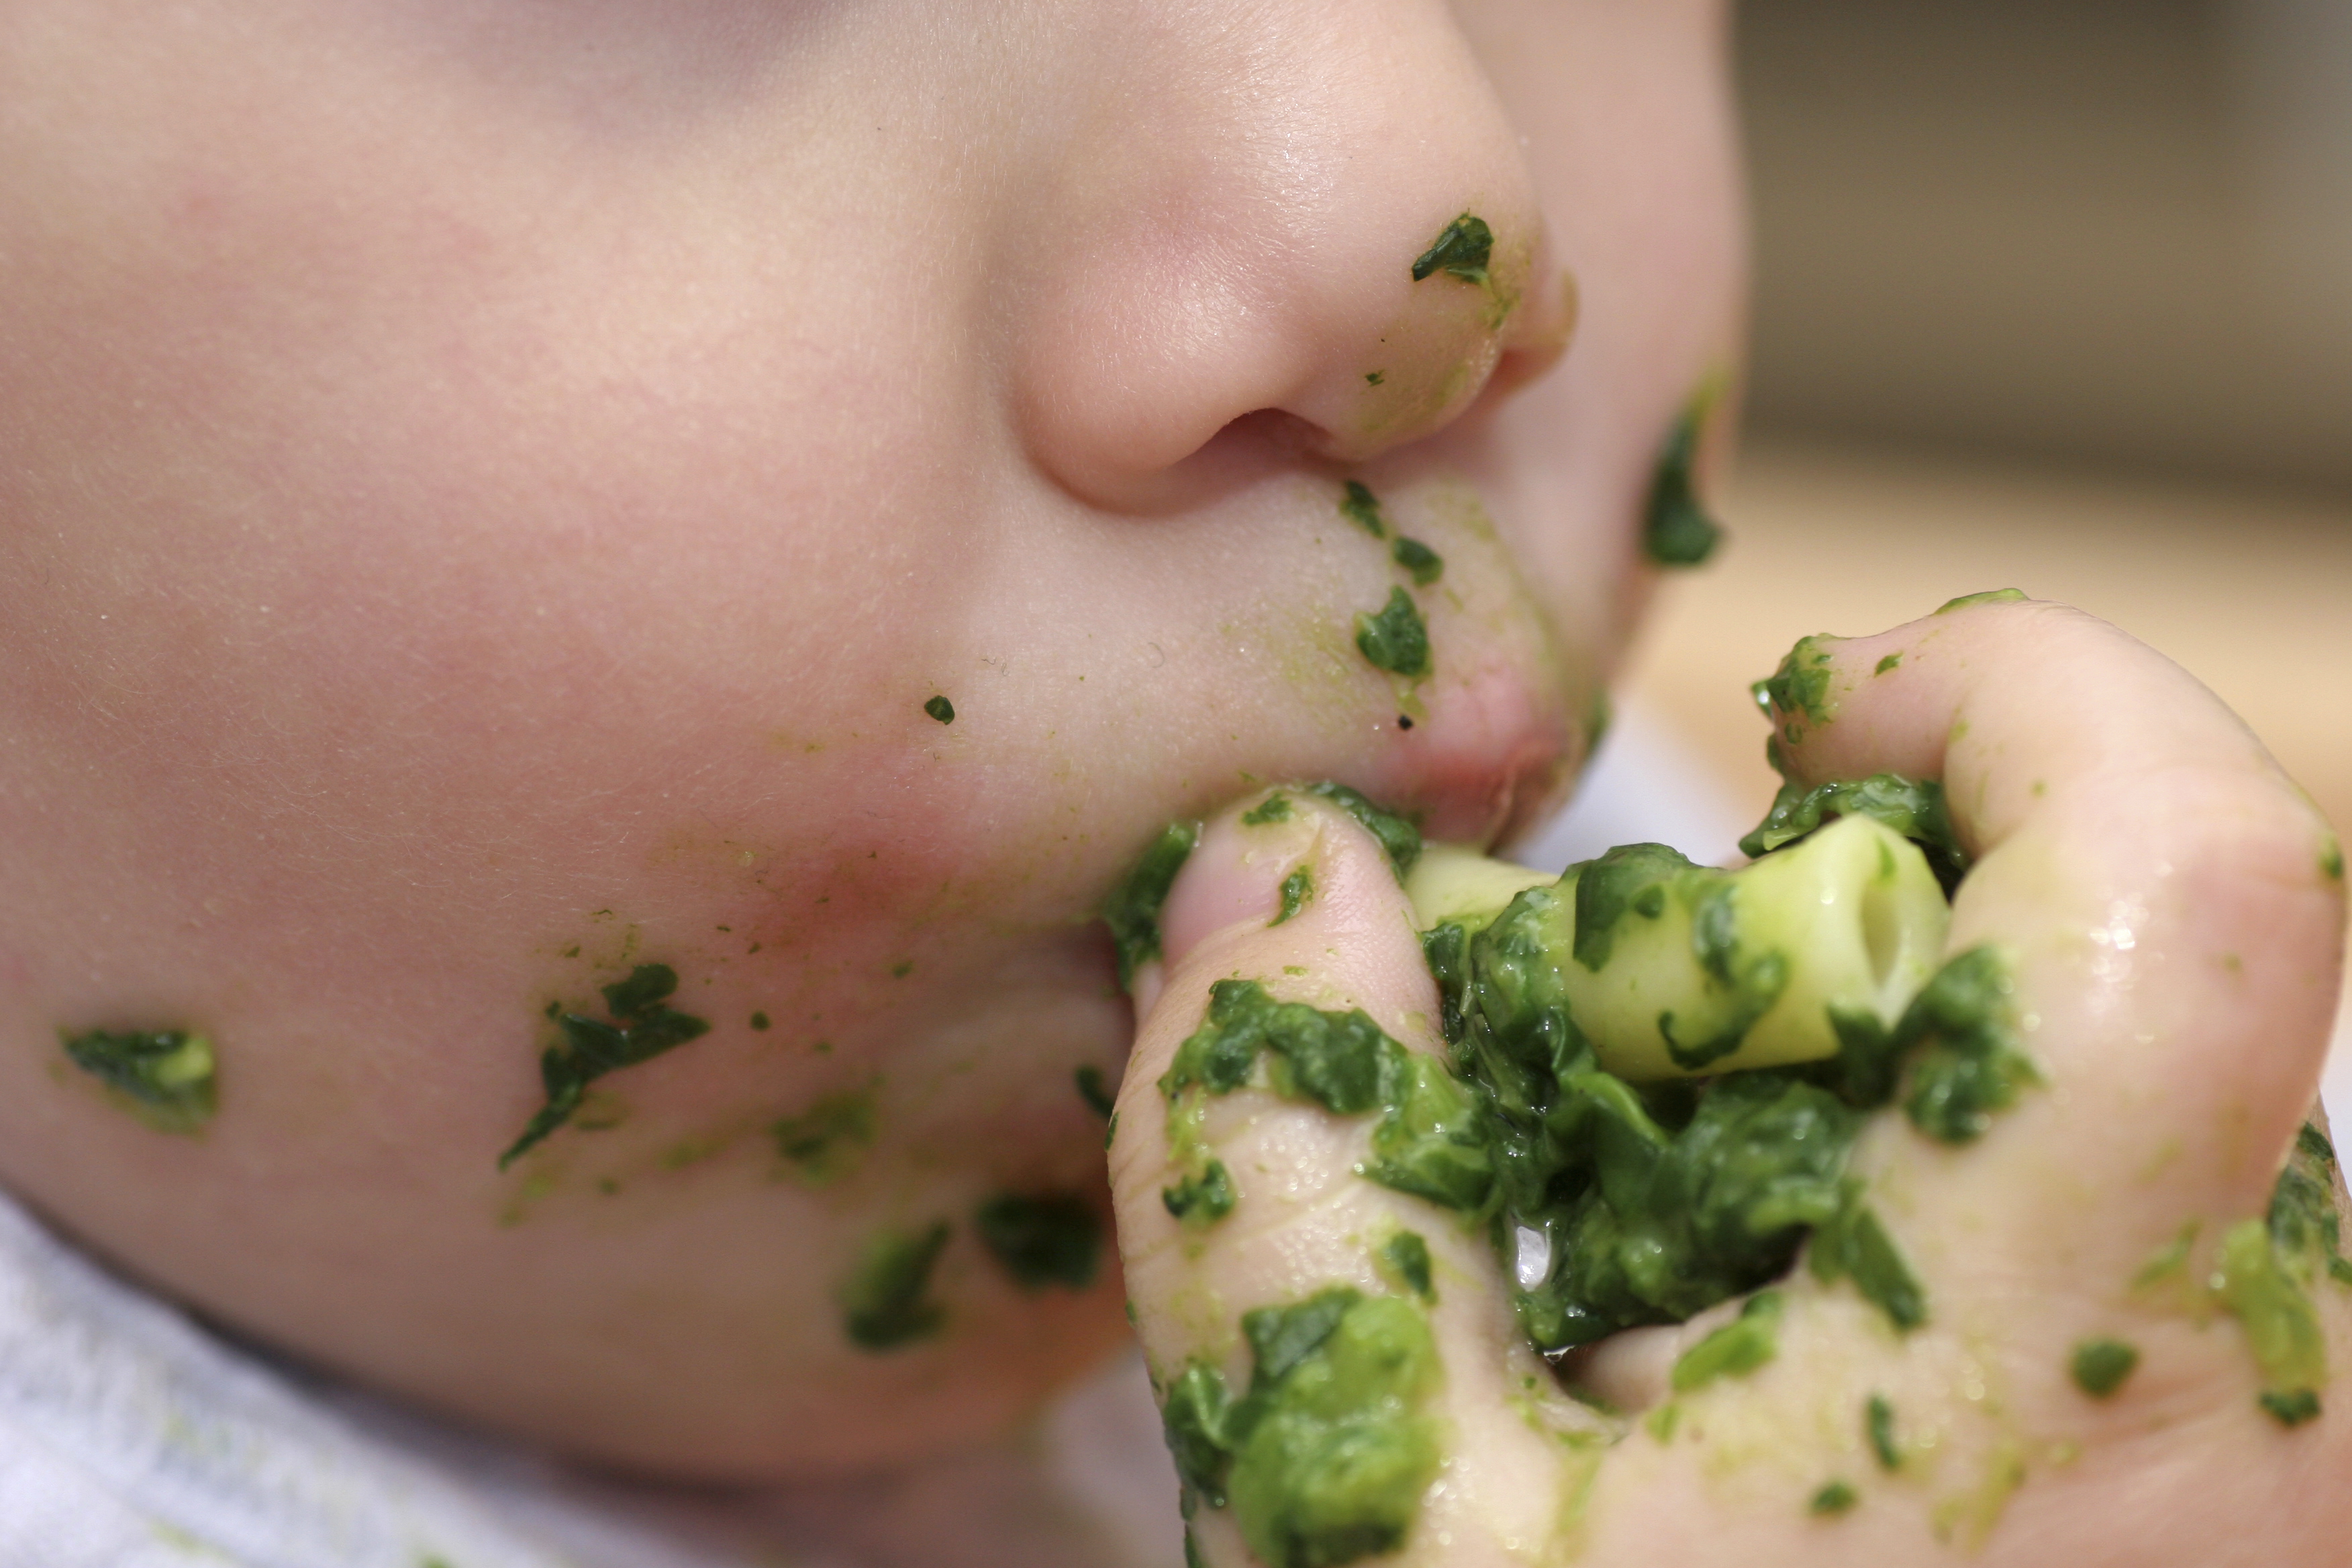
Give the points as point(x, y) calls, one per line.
point(1786, 1214)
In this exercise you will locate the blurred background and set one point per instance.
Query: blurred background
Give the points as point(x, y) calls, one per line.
point(2051, 294)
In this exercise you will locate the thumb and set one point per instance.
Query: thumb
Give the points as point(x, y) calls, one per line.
point(1329, 1331)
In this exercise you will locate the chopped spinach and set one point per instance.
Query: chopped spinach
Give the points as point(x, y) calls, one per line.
point(1398, 838)
point(1042, 1238)
point(1878, 1425)
point(1425, 564)
point(1461, 249)
point(1676, 529)
point(1203, 1196)
point(1296, 889)
point(942, 710)
point(1323, 1460)
point(1989, 597)
point(1836, 1498)
point(1969, 1063)
point(1395, 639)
point(1404, 1258)
point(1799, 689)
point(1095, 1090)
point(886, 1302)
point(639, 1026)
point(166, 1077)
point(1360, 507)
point(1132, 911)
point(827, 1141)
point(1912, 807)
point(1739, 1347)
point(2100, 1365)
point(1276, 807)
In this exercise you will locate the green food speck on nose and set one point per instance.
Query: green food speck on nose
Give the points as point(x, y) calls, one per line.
point(1461, 249)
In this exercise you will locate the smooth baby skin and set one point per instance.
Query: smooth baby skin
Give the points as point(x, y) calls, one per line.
point(2173, 910)
point(487, 498)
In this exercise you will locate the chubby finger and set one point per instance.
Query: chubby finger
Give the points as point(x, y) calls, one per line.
point(2172, 907)
point(1296, 1223)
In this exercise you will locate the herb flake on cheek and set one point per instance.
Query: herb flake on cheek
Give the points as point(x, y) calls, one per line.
point(1463, 250)
point(641, 1025)
point(1042, 1239)
point(1395, 640)
point(942, 710)
point(166, 1077)
point(1360, 507)
point(2100, 1365)
point(885, 1302)
point(1676, 528)
point(1296, 889)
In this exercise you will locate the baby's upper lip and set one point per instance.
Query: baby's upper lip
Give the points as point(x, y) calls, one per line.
point(1494, 757)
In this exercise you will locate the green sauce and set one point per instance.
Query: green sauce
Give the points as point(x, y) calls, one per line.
point(1739, 1347)
point(1799, 689)
point(942, 710)
point(1427, 1142)
point(1892, 661)
point(1398, 838)
point(1676, 529)
point(1360, 507)
point(1296, 889)
point(2266, 1270)
point(886, 1302)
point(2331, 859)
point(1324, 1460)
point(1273, 808)
point(639, 1026)
point(1854, 1245)
point(1042, 1239)
point(1970, 1064)
point(1395, 640)
point(828, 1139)
point(1405, 1259)
point(1132, 911)
point(1989, 597)
point(1912, 807)
point(1833, 1500)
point(2100, 1365)
point(166, 1078)
point(1425, 564)
point(1461, 249)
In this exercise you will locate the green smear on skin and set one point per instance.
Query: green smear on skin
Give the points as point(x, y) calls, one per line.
point(1892, 661)
point(1273, 808)
point(886, 1304)
point(1799, 689)
point(1427, 1142)
point(1989, 597)
point(1132, 911)
point(1878, 1425)
point(1203, 1196)
point(1325, 1460)
point(826, 1142)
point(166, 1078)
point(1737, 1349)
point(942, 710)
point(1418, 559)
point(1395, 639)
point(1676, 529)
point(1833, 1500)
point(1095, 1090)
point(1042, 1239)
point(1405, 1259)
point(1296, 889)
point(1400, 840)
point(1360, 507)
point(1912, 807)
point(2267, 1268)
point(640, 1025)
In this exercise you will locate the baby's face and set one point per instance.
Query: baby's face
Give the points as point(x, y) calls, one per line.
point(489, 493)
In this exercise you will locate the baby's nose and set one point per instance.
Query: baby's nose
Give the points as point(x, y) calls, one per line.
point(1269, 226)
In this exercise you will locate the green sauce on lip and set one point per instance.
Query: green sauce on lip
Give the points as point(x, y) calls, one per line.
point(640, 1025)
point(2099, 1366)
point(1132, 911)
point(1042, 1239)
point(1676, 529)
point(886, 1302)
point(166, 1077)
point(1325, 1460)
point(1395, 639)
point(1463, 250)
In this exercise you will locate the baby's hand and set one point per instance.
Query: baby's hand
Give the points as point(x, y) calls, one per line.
point(2113, 1368)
